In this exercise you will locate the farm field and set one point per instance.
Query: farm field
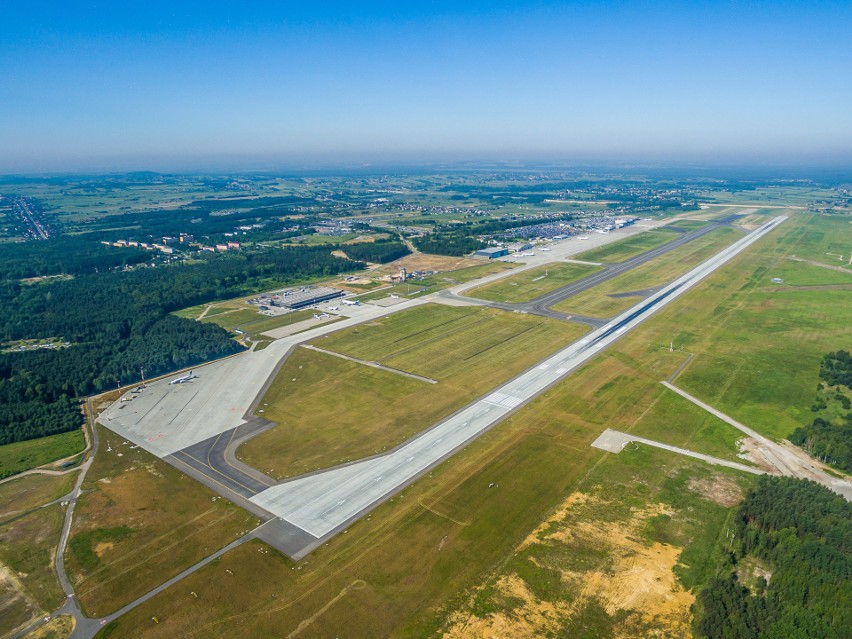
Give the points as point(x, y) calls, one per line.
point(533, 283)
point(331, 411)
point(630, 247)
point(21, 456)
point(141, 522)
point(600, 301)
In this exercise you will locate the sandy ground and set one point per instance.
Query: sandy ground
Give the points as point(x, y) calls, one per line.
point(638, 577)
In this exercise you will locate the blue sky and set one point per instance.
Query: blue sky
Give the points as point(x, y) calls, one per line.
point(147, 85)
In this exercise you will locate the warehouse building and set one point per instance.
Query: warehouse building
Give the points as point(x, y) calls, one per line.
point(492, 252)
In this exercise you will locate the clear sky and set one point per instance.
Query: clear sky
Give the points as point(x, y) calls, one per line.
point(163, 85)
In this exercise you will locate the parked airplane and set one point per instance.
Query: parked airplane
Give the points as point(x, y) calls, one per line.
point(352, 303)
point(185, 378)
point(583, 237)
point(527, 254)
point(394, 297)
point(544, 249)
point(334, 308)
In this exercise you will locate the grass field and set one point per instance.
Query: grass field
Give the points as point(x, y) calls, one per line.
point(331, 410)
point(533, 283)
point(253, 323)
point(139, 523)
point(827, 241)
point(417, 562)
point(598, 301)
point(28, 584)
point(32, 491)
point(629, 247)
point(690, 225)
point(21, 456)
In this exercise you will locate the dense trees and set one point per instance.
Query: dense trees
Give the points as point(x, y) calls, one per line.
point(380, 251)
point(453, 243)
point(803, 532)
point(829, 435)
point(63, 256)
point(117, 322)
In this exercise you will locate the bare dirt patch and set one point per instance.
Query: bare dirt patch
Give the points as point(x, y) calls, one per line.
point(426, 262)
point(719, 489)
point(58, 627)
point(636, 577)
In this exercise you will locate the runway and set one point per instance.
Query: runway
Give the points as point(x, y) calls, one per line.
point(324, 503)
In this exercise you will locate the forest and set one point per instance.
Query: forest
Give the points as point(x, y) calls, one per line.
point(64, 255)
point(381, 251)
point(118, 322)
point(829, 436)
point(454, 243)
point(788, 574)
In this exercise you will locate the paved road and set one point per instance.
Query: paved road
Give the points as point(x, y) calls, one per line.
point(614, 441)
point(787, 460)
point(325, 503)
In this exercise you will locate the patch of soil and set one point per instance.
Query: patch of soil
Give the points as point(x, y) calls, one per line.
point(719, 489)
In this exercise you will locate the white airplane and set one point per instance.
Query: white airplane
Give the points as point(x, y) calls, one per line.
point(544, 249)
point(352, 303)
point(185, 378)
point(395, 297)
point(527, 254)
point(583, 237)
point(334, 308)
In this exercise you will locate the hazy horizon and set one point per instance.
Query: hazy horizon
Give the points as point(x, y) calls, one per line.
point(205, 86)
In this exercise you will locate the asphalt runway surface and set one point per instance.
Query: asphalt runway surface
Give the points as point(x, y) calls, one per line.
point(325, 503)
point(543, 305)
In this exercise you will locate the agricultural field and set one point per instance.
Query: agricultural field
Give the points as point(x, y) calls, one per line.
point(533, 283)
point(21, 456)
point(140, 522)
point(612, 297)
point(630, 247)
point(332, 410)
point(29, 587)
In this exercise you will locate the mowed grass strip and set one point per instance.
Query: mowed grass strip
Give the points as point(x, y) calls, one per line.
point(533, 283)
point(139, 522)
point(598, 301)
point(629, 247)
point(330, 411)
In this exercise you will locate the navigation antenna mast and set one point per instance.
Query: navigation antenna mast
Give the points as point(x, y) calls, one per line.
point(142, 373)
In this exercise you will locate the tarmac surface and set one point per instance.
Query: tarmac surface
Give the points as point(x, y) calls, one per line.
point(326, 502)
point(614, 441)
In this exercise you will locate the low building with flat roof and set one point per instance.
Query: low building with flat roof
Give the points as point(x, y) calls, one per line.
point(491, 252)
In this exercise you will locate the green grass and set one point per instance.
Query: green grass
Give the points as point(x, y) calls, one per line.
point(331, 410)
point(253, 323)
point(826, 241)
point(21, 456)
point(690, 225)
point(533, 283)
point(629, 247)
point(139, 522)
point(598, 301)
